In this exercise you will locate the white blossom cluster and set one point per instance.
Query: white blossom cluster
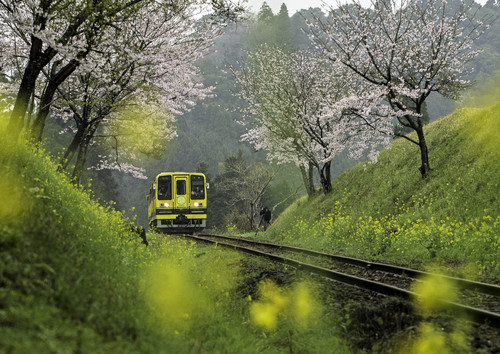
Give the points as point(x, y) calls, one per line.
point(119, 54)
point(376, 66)
point(307, 109)
point(161, 81)
point(108, 163)
point(410, 47)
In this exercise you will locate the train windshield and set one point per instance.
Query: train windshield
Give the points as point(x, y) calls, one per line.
point(165, 188)
point(197, 187)
point(181, 187)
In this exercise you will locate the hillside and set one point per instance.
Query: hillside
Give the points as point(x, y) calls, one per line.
point(74, 278)
point(385, 211)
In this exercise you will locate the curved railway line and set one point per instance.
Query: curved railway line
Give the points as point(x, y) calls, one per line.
point(378, 277)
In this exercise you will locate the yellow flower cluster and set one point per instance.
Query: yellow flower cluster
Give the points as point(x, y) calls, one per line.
point(409, 235)
point(434, 291)
point(183, 289)
point(296, 306)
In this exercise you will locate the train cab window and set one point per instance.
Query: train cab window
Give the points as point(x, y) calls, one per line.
point(181, 187)
point(197, 187)
point(165, 188)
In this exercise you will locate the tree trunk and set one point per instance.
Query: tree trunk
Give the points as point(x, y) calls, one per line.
point(55, 80)
point(307, 178)
point(80, 162)
point(29, 113)
point(70, 151)
point(26, 88)
point(325, 177)
point(82, 156)
point(424, 153)
point(251, 218)
point(43, 112)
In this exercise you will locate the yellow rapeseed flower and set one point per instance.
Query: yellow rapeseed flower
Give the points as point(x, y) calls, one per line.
point(430, 341)
point(305, 307)
point(264, 315)
point(433, 292)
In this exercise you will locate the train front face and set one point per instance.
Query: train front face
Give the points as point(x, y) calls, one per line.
point(178, 202)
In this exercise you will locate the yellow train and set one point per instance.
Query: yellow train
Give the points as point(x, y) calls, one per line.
point(177, 202)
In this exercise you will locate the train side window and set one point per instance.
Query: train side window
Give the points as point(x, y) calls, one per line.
point(165, 188)
point(181, 187)
point(197, 187)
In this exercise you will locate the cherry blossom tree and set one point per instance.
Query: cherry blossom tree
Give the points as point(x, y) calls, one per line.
point(55, 27)
point(63, 33)
point(98, 57)
point(307, 110)
point(410, 48)
point(140, 79)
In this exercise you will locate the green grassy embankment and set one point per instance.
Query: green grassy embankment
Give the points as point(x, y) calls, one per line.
point(73, 278)
point(386, 211)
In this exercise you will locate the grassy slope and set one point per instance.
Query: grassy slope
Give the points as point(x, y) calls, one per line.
point(62, 283)
point(386, 211)
point(74, 279)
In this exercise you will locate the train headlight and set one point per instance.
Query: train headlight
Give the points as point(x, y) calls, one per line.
point(196, 204)
point(164, 204)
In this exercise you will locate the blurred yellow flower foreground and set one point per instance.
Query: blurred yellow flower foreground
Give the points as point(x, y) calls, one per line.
point(296, 305)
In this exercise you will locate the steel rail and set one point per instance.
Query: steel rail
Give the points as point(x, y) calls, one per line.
point(471, 313)
point(488, 289)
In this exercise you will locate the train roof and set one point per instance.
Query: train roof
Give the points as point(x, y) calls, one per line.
point(180, 173)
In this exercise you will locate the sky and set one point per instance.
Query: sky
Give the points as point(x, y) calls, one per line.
point(295, 5)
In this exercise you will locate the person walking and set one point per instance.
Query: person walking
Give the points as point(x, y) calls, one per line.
point(265, 218)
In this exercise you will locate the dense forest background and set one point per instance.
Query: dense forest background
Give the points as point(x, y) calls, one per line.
point(209, 136)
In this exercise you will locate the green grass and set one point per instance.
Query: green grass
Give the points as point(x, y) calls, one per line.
point(386, 211)
point(74, 279)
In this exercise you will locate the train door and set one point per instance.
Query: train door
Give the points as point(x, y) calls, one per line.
point(181, 200)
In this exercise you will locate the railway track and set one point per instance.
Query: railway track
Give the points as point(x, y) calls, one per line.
point(378, 277)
